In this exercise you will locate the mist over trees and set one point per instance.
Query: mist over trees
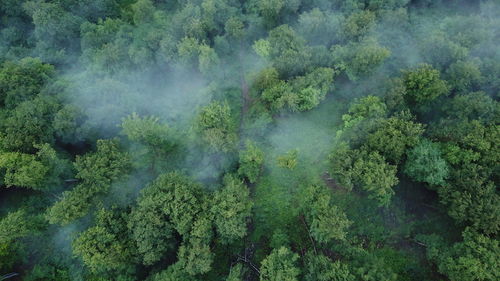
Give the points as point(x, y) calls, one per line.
point(271, 140)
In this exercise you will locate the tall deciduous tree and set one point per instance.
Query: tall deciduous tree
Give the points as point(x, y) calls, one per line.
point(251, 160)
point(425, 164)
point(96, 170)
point(231, 209)
point(280, 265)
point(216, 126)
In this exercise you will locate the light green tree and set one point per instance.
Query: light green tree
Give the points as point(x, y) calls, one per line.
point(280, 265)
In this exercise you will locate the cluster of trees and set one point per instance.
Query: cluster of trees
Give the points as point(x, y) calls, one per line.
point(147, 140)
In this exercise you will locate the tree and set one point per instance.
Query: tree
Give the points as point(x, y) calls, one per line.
point(341, 162)
point(234, 27)
point(217, 127)
point(288, 51)
point(288, 160)
point(270, 10)
point(142, 11)
point(56, 30)
point(177, 197)
point(150, 133)
point(195, 257)
point(23, 80)
point(319, 27)
point(366, 170)
point(440, 51)
point(472, 198)
point(312, 88)
point(374, 175)
point(425, 164)
point(96, 170)
point(321, 268)
point(358, 24)
point(106, 246)
point(28, 125)
point(236, 273)
point(474, 106)
point(150, 228)
point(423, 84)
point(326, 221)
point(280, 265)
point(14, 226)
point(363, 117)
point(69, 125)
point(279, 95)
point(208, 60)
point(172, 273)
point(251, 161)
point(463, 76)
point(359, 59)
point(474, 258)
point(231, 209)
point(394, 136)
point(24, 170)
point(369, 107)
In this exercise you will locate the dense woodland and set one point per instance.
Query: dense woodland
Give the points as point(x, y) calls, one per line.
point(272, 140)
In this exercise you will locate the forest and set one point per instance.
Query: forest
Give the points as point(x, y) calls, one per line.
point(258, 140)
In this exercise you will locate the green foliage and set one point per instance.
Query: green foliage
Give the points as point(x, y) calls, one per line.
point(195, 257)
point(300, 94)
point(366, 170)
point(359, 59)
point(474, 106)
point(236, 273)
point(142, 11)
point(177, 196)
point(288, 160)
point(364, 77)
point(99, 249)
point(463, 76)
point(172, 273)
point(280, 265)
point(96, 171)
point(55, 29)
point(423, 84)
point(23, 170)
point(441, 51)
point(48, 272)
point(395, 136)
point(150, 229)
point(231, 209)
point(319, 26)
point(326, 221)
point(146, 130)
point(14, 226)
point(279, 95)
point(425, 164)
point(287, 51)
point(358, 24)
point(375, 176)
point(369, 107)
point(251, 161)
point(106, 246)
point(216, 126)
point(321, 268)
point(234, 27)
point(474, 258)
point(68, 125)
point(29, 124)
point(23, 80)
